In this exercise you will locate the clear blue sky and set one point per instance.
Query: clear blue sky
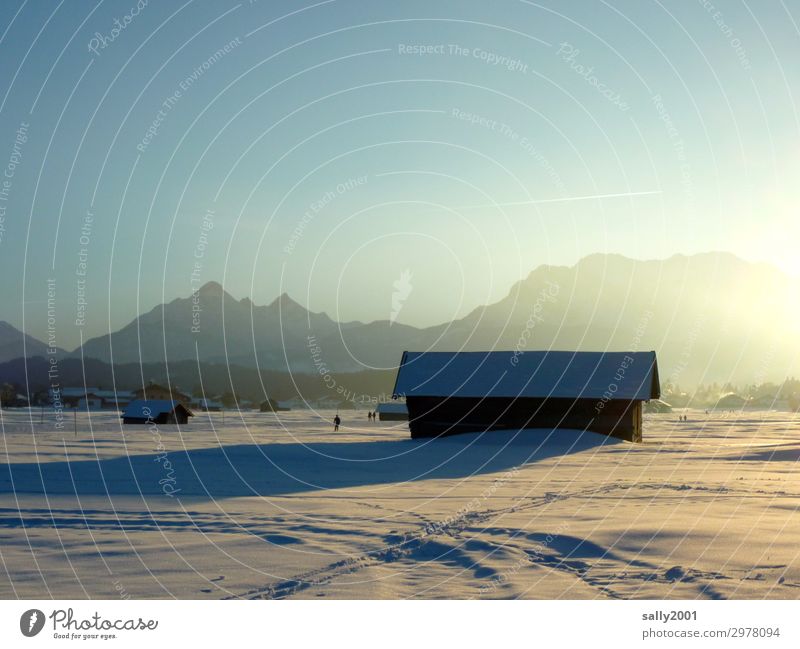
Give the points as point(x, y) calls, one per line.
point(688, 105)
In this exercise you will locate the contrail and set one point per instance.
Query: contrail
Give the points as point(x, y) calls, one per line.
point(557, 200)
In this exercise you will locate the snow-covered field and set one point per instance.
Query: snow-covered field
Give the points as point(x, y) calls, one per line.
point(267, 505)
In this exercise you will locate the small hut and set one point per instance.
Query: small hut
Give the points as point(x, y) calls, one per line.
point(156, 411)
point(270, 405)
point(392, 412)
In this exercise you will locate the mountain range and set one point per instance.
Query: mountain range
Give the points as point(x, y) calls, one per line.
point(711, 317)
point(15, 344)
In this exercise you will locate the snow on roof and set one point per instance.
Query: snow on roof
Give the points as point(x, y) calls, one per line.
point(399, 408)
point(150, 408)
point(538, 374)
point(75, 392)
point(111, 394)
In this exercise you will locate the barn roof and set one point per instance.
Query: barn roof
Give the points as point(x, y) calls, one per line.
point(537, 374)
point(151, 408)
point(76, 392)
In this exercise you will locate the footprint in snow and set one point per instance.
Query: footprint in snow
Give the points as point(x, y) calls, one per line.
point(676, 573)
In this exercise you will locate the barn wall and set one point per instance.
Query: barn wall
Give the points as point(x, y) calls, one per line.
point(392, 416)
point(163, 418)
point(435, 416)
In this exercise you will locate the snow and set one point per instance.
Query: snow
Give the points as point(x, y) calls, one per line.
point(278, 505)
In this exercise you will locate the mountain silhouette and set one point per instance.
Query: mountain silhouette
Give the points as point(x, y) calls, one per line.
point(15, 344)
point(711, 317)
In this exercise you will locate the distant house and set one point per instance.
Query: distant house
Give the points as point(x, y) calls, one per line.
point(270, 405)
point(392, 412)
point(459, 392)
point(157, 411)
point(657, 406)
point(160, 392)
point(114, 399)
point(91, 398)
point(730, 401)
point(72, 397)
point(209, 405)
point(90, 401)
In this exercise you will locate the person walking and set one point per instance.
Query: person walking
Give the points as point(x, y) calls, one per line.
point(336, 421)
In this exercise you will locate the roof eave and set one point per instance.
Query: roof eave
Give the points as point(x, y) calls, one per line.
point(397, 376)
point(655, 383)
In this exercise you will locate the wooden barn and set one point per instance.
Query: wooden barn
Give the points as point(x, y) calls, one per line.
point(156, 411)
point(458, 392)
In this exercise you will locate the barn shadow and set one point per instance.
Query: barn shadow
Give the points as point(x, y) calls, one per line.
point(781, 453)
point(292, 468)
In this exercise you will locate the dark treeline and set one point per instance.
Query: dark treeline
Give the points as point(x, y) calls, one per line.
point(33, 377)
point(767, 394)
